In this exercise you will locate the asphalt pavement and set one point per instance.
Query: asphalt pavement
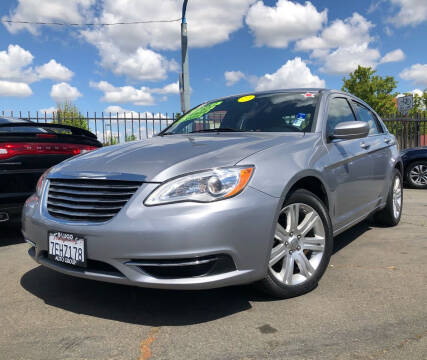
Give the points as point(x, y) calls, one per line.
point(370, 304)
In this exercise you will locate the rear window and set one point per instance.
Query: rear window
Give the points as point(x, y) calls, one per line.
point(22, 130)
point(12, 120)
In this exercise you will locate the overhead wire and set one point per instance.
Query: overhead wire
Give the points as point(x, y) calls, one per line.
point(88, 24)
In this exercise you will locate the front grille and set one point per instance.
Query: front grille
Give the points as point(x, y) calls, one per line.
point(90, 200)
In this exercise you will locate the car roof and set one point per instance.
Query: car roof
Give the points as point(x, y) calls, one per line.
point(323, 91)
point(12, 120)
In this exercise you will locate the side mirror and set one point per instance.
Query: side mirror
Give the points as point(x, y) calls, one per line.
point(351, 130)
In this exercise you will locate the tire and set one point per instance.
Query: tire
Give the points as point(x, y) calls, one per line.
point(416, 174)
point(297, 243)
point(389, 216)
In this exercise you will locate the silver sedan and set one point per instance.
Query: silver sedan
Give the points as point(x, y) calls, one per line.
point(243, 189)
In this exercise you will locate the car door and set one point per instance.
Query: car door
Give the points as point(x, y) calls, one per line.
point(350, 170)
point(378, 146)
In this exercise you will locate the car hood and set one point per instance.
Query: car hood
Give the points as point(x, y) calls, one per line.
point(163, 157)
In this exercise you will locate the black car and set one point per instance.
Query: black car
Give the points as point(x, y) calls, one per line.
point(415, 163)
point(27, 149)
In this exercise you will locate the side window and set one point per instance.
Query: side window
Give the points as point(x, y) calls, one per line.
point(368, 117)
point(339, 111)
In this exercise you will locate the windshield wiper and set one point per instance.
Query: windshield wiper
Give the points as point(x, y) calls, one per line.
point(216, 130)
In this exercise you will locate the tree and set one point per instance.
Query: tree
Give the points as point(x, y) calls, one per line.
point(373, 89)
point(68, 114)
point(419, 107)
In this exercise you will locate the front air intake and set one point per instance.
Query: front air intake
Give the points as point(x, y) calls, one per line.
point(88, 200)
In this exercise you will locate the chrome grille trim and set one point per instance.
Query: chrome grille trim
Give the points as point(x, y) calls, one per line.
point(91, 200)
point(58, 189)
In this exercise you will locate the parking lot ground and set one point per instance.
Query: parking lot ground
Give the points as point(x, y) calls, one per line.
point(370, 304)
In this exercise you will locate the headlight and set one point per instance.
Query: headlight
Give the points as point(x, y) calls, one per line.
point(206, 186)
point(41, 182)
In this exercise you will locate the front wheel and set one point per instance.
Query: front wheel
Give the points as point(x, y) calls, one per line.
point(302, 247)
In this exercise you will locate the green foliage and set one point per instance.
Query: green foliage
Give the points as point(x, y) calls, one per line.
point(373, 89)
point(420, 106)
point(111, 141)
point(69, 114)
point(130, 138)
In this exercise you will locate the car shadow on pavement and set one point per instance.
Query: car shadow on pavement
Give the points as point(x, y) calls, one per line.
point(347, 237)
point(150, 307)
point(10, 234)
point(135, 305)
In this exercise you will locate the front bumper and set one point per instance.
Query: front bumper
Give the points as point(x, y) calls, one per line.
point(240, 229)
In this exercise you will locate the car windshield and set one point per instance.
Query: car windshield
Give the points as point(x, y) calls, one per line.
point(280, 112)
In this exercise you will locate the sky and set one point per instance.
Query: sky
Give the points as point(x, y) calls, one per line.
point(237, 46)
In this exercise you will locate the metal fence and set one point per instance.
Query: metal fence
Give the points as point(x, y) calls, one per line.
point(409, 132)
point(113, 128)
point(110, 128)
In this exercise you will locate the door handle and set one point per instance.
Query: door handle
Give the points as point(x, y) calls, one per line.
point(387, 141)
point(364, 146)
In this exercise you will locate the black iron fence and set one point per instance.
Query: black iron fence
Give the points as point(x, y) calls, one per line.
point(113, 128)
point(409, 132)
point(110, 128)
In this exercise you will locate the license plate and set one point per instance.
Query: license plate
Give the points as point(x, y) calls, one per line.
point(67, 248)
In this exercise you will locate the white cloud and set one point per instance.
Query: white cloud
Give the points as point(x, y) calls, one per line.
point(64, 92)
point(413, 92)
point(294, 74)
point(210, 22)
point(345, 44)
point(124, 94)
point(130, 94)
point(346, 59)
point(411, 12)
point(142, 64)
point(417, 92)
point(132, 50)
point(12, 88)
point(341, 33)
point(417, 73)
point(54, 71)
point(48, 110)
point(393, 56)
point(170, 89)
point(233, 77)
point(14, 64)
point(15, 67)
point(286, 21)
point(71, 11)
point(114, 109)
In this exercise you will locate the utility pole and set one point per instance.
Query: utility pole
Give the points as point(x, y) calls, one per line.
point(184, 79)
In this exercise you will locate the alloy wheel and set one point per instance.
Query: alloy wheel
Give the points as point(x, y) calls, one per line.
point(397, 197)
point(299, 244)
point(418, 174)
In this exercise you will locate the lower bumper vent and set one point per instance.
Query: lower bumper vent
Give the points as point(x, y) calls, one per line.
point(185, 268)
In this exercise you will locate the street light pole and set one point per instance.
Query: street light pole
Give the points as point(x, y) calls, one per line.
point(184, 80)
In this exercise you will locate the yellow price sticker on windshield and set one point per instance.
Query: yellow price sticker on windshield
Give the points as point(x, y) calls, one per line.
point(246, 98)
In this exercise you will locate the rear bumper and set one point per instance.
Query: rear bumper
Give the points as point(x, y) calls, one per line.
point(240, 229)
